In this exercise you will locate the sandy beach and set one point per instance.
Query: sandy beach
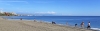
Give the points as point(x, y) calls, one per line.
point(22, 25)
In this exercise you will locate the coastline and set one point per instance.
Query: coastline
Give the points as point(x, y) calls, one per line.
point(36, 26)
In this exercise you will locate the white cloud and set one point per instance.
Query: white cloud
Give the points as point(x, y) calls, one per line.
point(8, 2)
point(49, 12)
point(15, 1)
point(12, 1)
point(43, 1)
point(4, 3)
point(2, 10)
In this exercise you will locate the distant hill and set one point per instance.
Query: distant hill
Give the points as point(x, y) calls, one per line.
point(2, 14)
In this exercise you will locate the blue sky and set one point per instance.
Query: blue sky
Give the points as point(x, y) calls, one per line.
point(55, 7)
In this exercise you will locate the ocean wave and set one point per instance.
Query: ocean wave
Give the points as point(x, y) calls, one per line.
point(96, 29)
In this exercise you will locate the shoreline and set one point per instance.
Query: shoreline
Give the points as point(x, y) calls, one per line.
point(49, 24)
point(57, 24)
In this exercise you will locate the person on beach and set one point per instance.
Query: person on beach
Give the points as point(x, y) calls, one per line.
point(34, 20)
point(82, 24)
point(75, 25)
point(20, 18)
point(88, 27)
point(53, 22)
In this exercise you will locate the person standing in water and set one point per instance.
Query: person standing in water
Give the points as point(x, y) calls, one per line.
point(88, 27)
point(82, 24)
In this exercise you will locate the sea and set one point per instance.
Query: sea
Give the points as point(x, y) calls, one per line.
point(70, 20)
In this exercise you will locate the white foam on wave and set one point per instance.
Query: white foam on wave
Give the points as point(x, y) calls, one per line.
point(96, 29)
point(60, 24)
